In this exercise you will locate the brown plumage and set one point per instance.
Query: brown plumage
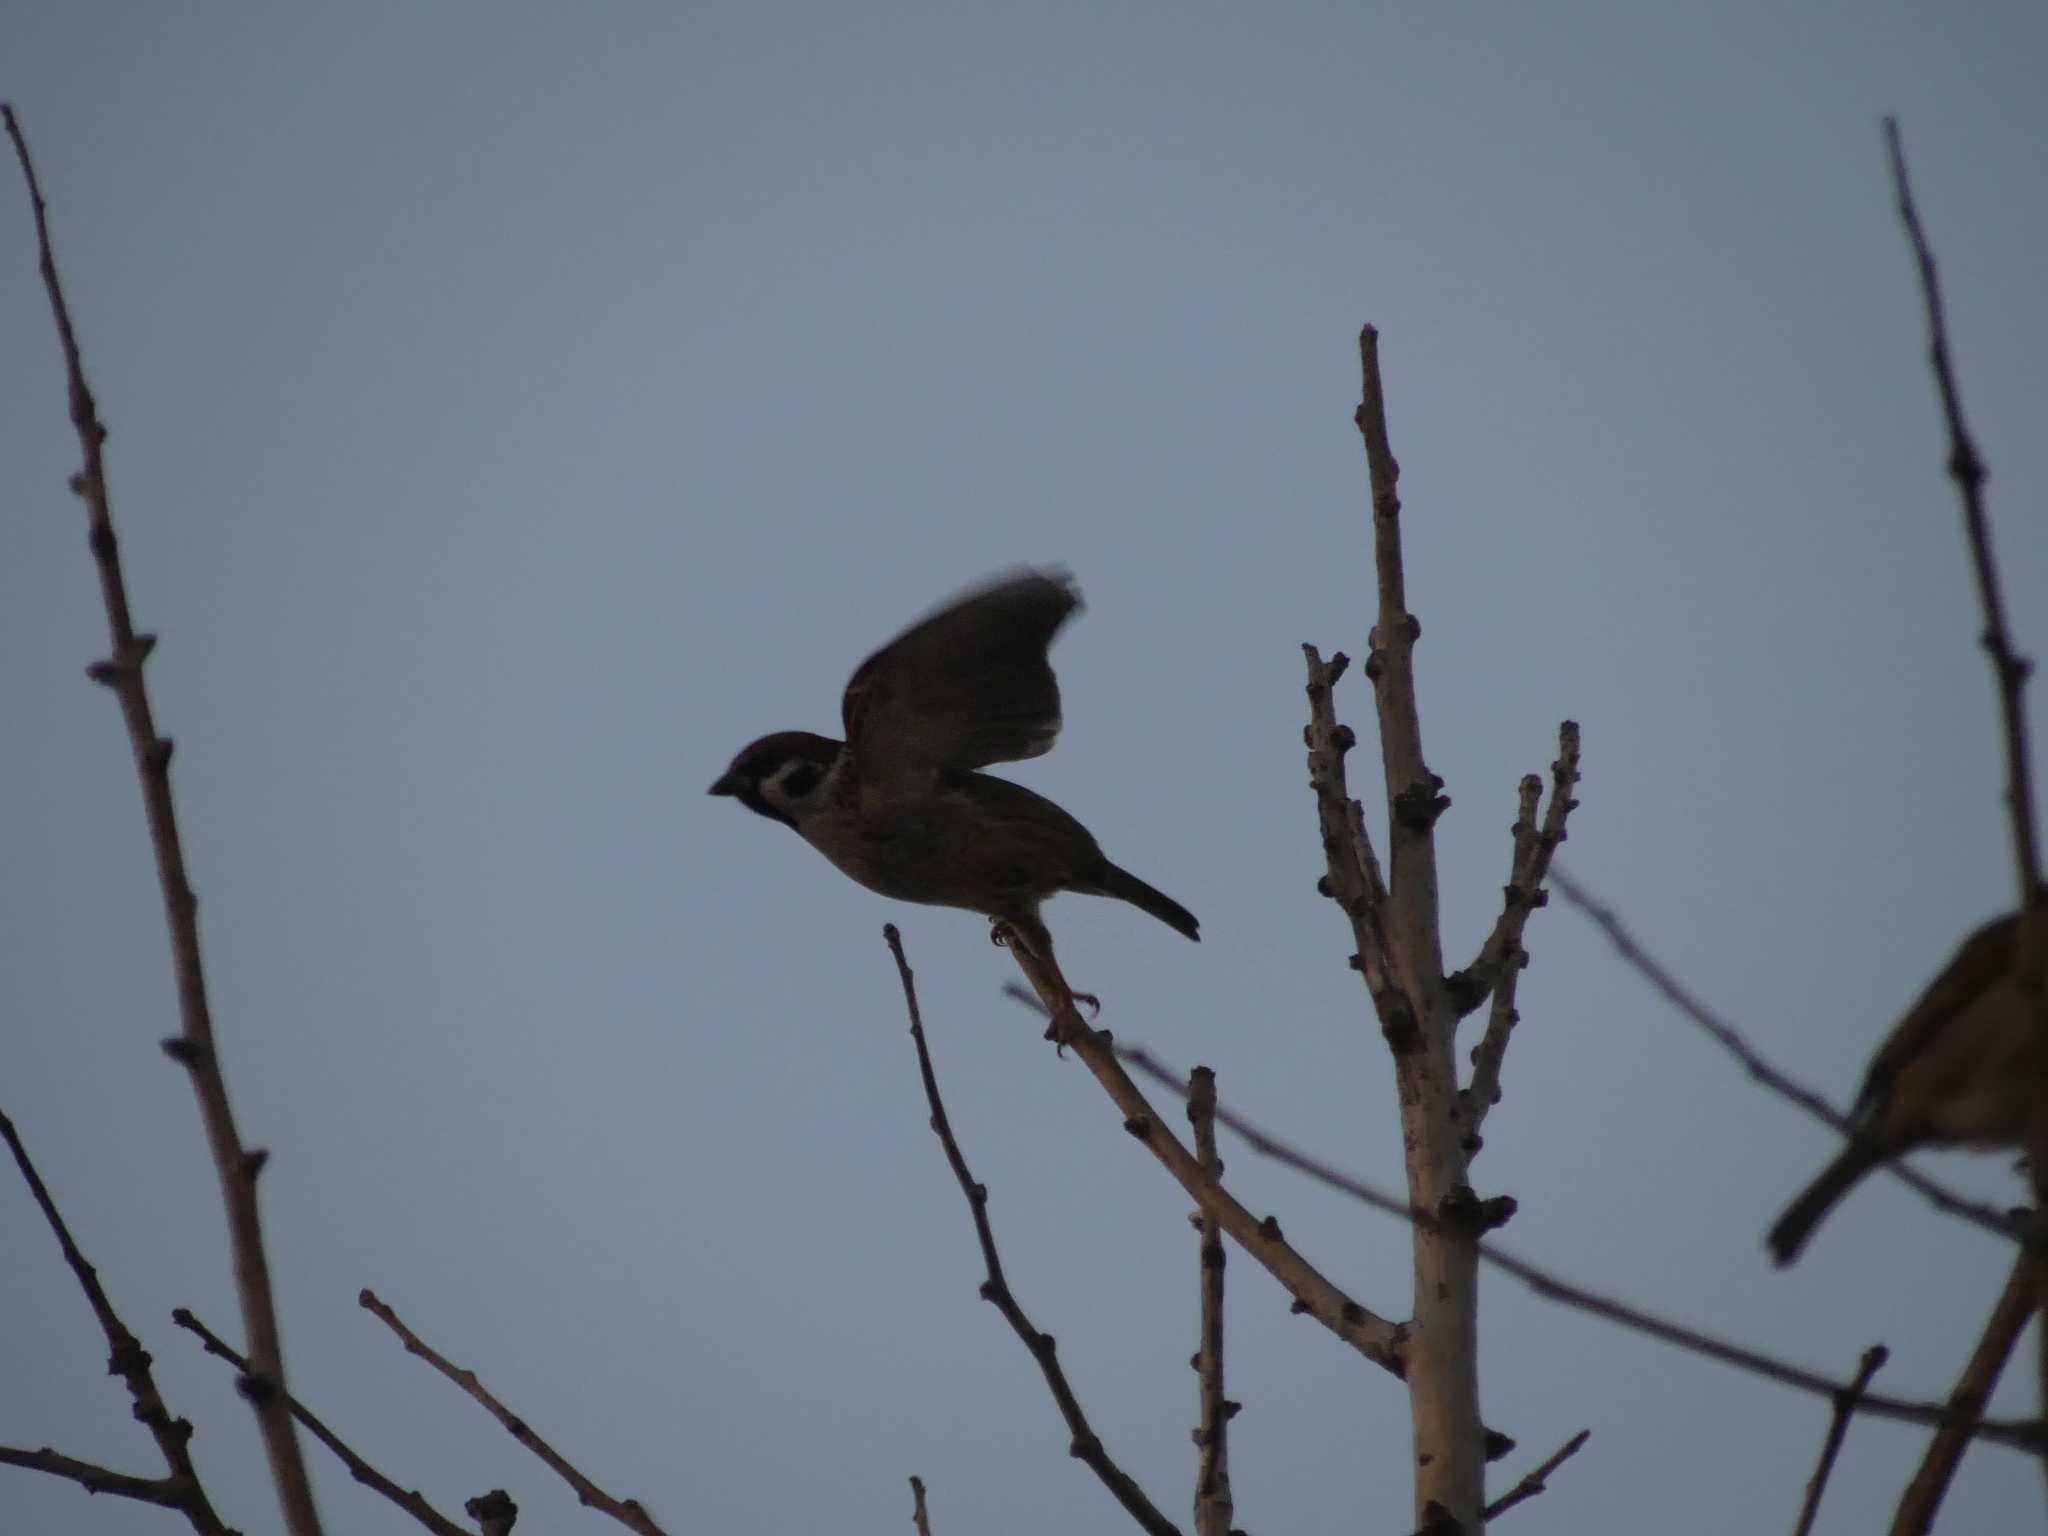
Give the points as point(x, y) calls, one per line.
point(1962, 1068)
point(898, 805)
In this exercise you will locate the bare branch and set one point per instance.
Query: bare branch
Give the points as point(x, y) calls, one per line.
point(1086, 1446)
point(1380, 1341)
point(918, 1516)
point(2029, 1435)
point(1413, 798)
point(628, 1512)
point(413, 1503)
point(1973, 1389)
point(1498, 966)
point(127, 1359)
point(2010, 669)
point(1838, 1429)
point(1443, 1354)
point(236, 1165)
point(1539, 1476)
point(1533, 848)
point(1353, 879)
point(161, 1491)
point(1991, 1218)
point(1213, 1506)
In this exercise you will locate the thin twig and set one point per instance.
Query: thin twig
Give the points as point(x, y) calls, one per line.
point(236, 1165)
point(1213, 1505)
point(1086, 1446)
point(1989, 1217)
point(1533, 849)
point(1539, 1476)
point(1498, 967)
point(2023, 1434)
point(2010, 669)
point(161, 1491)
point(1379, 1340)
point(1973, 1389)
point(126, 1358)
point(628, 1512)
point(1838, 1429)
point(918, 1515)
point(413, 1502)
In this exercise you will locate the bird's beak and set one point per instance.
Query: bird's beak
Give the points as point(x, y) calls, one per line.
point(729, 785)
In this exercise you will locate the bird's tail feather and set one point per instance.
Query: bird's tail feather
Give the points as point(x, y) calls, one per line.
point(1793, 1228)
point(1125, 886)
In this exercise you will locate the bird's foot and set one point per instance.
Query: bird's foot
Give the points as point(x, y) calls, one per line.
point(1067, 1027)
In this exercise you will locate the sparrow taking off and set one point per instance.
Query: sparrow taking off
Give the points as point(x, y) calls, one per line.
point(1963, 1068)
point(898, 805)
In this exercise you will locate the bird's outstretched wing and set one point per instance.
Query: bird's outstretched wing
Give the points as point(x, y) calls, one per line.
point(967, 686)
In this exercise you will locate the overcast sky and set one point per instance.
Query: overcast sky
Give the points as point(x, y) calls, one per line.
point(516, 409)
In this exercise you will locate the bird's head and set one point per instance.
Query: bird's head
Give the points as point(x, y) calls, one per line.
point(780, 776)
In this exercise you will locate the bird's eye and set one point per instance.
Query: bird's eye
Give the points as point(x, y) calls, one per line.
point(799, 779)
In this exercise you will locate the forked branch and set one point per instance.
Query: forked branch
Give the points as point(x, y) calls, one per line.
point(411, 1501)
point(2030, 1435)
point(126, 1358)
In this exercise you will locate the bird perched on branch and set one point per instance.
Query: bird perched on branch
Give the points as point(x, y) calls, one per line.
point(898, 805)
point(1962, 1068)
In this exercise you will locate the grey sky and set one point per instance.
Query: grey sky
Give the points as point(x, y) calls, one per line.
point(516, 409)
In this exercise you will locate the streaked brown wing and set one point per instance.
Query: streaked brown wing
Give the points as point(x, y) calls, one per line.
point(1985, 957)
point(968, 686)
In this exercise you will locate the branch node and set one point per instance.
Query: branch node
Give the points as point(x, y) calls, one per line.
point(1397, 1023)
point(255, 1389)
point(1463, 992)
point(1419, 805)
